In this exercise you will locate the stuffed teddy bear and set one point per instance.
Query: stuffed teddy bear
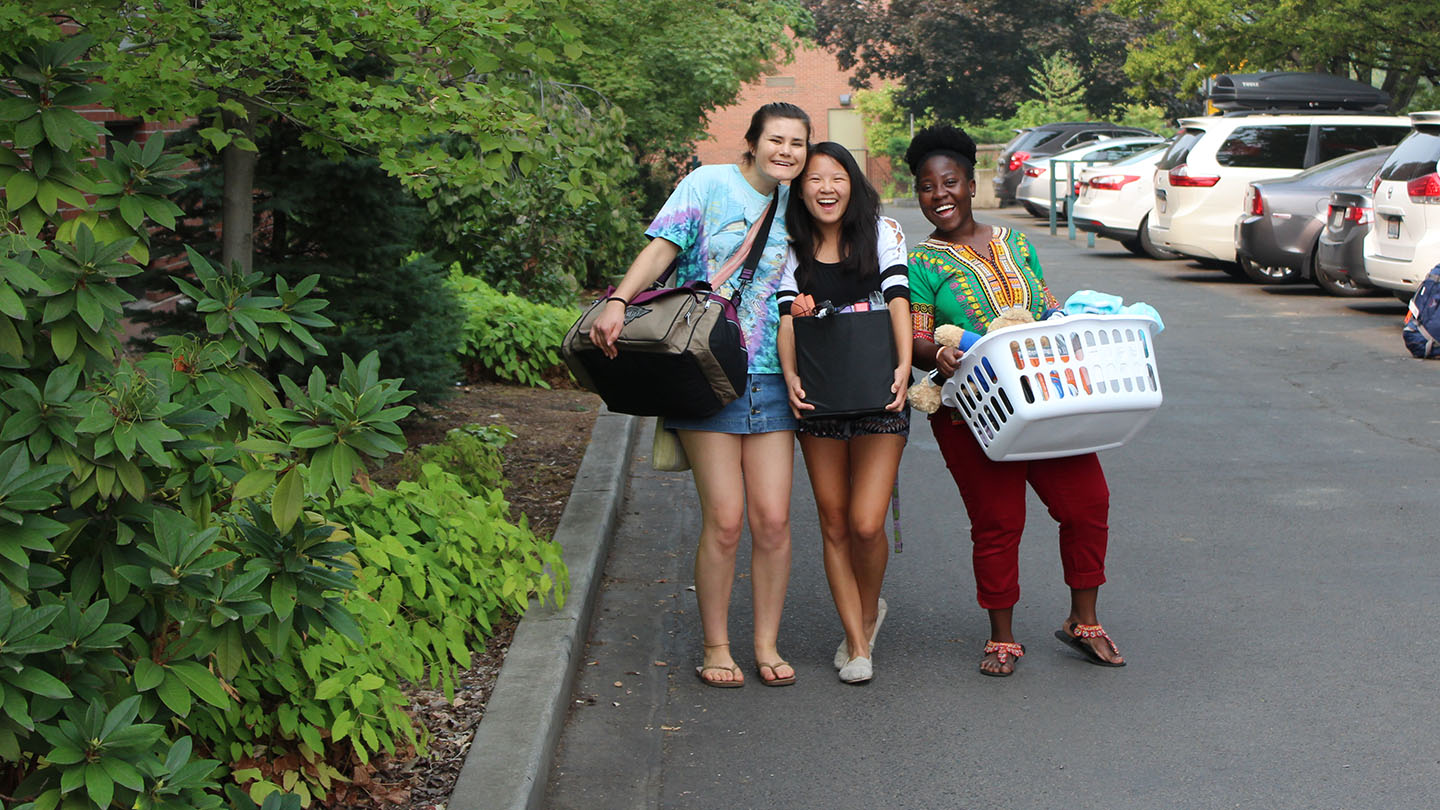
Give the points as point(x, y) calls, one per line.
point(924, 396)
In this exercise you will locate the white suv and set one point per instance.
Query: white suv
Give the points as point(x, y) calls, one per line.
point(1200, 183)
point(1404, 242)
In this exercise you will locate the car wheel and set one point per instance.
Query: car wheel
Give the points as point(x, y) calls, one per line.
point(1134, 246)
point(1266, 274)
point(1402, 296)
point(1035, 210)
point(1340, 287)
point(1151, 249)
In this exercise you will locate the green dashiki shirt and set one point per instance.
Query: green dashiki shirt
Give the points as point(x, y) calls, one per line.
point(955, 284)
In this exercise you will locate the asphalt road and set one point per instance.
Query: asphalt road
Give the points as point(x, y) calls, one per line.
point(1274, 580)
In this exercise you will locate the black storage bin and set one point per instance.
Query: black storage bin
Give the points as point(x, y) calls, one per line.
point(1294, 91)
point(846, 362)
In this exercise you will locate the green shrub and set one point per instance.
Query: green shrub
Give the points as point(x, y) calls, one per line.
point(471, 452)
point(155, 553)
point(508, 337)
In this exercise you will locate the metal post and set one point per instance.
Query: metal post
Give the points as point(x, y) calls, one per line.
point(1070, 198)
point(1052, 197)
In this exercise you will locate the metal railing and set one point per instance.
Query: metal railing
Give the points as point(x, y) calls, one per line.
point(1070, 197)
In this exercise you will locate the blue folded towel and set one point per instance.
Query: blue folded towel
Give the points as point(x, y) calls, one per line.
point(1094, 302)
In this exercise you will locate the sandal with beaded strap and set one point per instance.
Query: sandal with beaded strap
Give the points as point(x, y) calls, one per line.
point(1076, 635)
point(1003, 651)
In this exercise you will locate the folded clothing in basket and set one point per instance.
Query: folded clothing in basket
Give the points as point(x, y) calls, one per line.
point(1094, 302)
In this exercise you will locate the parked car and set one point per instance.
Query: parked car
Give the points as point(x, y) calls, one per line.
point(1115, 201)
point(1201, 181)
point(1034, 189)
point(1277, 235)
point(1047, 139)
point(1341, 254)
point(1404, 242)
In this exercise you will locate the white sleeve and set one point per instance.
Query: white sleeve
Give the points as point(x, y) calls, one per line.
point(785, 295)
point(894, 264)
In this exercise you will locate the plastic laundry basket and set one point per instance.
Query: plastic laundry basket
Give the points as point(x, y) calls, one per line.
point(1059, 387)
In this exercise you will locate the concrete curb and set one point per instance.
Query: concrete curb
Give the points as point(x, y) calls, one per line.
point(508, 764)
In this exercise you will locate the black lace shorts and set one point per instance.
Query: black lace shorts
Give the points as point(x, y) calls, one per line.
point(849, 427)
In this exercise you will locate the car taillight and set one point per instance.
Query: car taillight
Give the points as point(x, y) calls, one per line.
point(1358, 214)
point(1375, 185)
point(1078, 186)
point(1181, 176)
point(1033, 171)
point(1018, 159)
point(1112, 182)
point(1425, 189)
point(1254, 203)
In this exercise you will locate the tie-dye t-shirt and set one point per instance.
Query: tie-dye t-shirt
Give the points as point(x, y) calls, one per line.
point(708, 215)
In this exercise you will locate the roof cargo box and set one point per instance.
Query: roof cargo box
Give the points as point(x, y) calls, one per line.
point(1294, 91)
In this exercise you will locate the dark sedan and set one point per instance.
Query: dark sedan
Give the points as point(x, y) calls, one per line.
point(1341, 255)
point(1277, 236)
point(1046, 140)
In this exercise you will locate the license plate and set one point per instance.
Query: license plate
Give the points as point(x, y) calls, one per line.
point(1392, 227)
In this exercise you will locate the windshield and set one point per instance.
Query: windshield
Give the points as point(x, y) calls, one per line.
point(1180, 148)
point(1027, 139)
point(1145, 156)
point(1416, 156)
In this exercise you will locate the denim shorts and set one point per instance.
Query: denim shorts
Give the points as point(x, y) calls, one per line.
point(763, 407)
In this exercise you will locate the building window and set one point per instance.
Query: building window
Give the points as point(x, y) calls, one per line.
point(779, 81)
point(120, 132)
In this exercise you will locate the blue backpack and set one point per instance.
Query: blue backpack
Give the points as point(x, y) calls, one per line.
point(1422, 325)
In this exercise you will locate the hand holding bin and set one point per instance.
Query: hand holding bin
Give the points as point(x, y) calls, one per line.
point(846, 361)
point(1057, 388)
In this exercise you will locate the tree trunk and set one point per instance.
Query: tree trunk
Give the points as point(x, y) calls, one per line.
point(237, 199)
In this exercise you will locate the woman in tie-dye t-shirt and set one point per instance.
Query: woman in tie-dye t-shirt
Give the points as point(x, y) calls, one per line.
point(743, 454)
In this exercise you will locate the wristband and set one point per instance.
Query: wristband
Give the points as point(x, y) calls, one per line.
point(617, 298)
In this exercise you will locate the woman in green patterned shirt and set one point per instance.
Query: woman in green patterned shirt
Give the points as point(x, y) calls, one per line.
point(964, 274)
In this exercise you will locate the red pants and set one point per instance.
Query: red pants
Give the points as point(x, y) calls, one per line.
point(1072, 488)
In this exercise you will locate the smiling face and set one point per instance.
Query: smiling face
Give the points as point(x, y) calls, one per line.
point(944, 188)
point(825, 187)
point(779, 152)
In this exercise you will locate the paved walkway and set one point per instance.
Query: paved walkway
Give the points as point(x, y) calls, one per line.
point(1273, 579)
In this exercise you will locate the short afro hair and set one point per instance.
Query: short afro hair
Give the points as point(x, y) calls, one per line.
point(944, 140)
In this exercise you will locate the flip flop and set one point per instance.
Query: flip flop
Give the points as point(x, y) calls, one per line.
point(732, 684)
point(1077, 643)
point(776, 681)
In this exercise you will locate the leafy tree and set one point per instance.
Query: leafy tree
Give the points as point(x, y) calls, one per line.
point(361, 232)
point(381, 79)
point(971, 59)
point(1059, 87)
point(668, 64)
point(1392, 44)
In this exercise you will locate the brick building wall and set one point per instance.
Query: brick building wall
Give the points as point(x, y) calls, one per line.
point(814, 82)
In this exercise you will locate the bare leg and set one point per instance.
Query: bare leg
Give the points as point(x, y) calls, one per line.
point(767, 460)
point(715, 459)
point(828, 463)
point(874, 462)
